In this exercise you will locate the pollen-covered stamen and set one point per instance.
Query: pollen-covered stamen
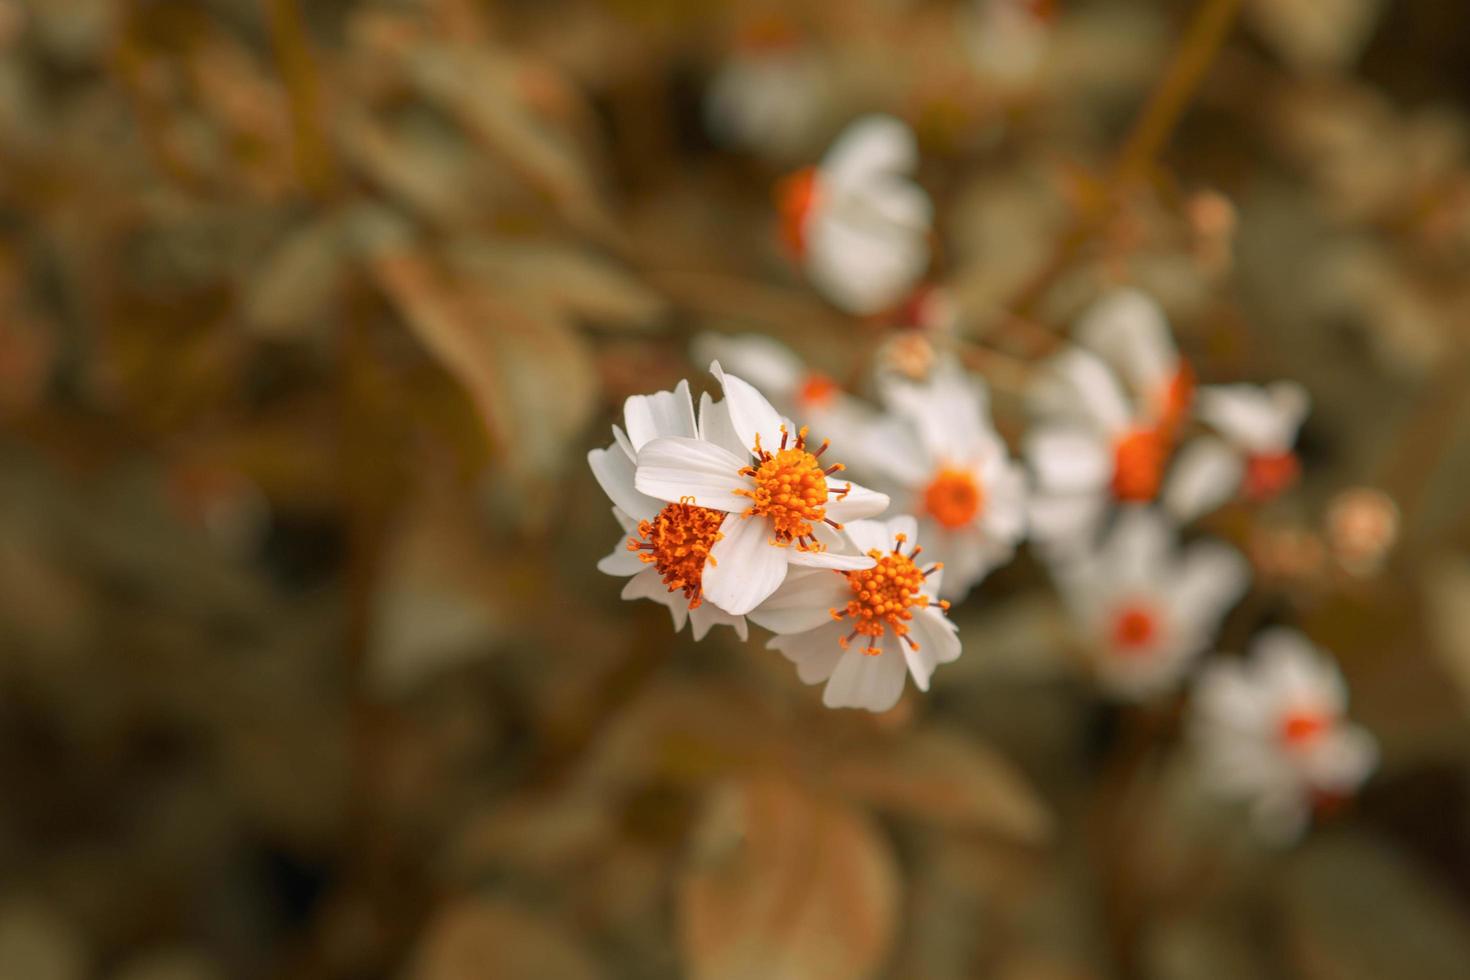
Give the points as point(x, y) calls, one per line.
point(1303, 727)
point(816, 391)
point(1139, 458)
point(953, 497)
point(790, 490)
point(884, 597)
point(677, 543)
point(796, 196)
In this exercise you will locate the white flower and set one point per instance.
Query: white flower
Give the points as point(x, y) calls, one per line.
point(1147, 607)
point(861, 631)
point(949, 466)
point(781, 507)
point(1252, 457)
point(769, 95)
point(857, 222)
point(1098, 443)
point(1271, 731)
point(663, 552)
point(1008, 39)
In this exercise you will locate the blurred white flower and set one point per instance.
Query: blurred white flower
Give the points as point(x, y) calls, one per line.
point(1146, 606)
point(769, 95)
point(1007, 40)
point(664, 551)
point(780, 509)
point(1271, 731)
point(861, 631)
point(946, 463)
point(1097, 442)
point(858, 223)
point(1252, 457)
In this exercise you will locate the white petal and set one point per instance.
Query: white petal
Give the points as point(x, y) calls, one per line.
point(939, 643)
point(863, 681)
point(751, 416)
point(1262, 420)
point(744, 567)
point(1344, 759)
point(870, 146)
point(1077, 385)
point(1065, 521)
point(1128, 328)
point(615, 474)
point(1139, 546)
point(889, 448)
point(950, 411)
point(803, 602)
point(1226, 698)
point(650, 585)
point(1069, 459)
point(769, 364)
point(1295, 672)
point(857, 503)
point(815, 653)
point(1211, 579)
point(622, 562)
point(707, 615)
point(715, 427)
point(1004, 516)
point(663, 414)
point(1206, 473)
point(863, 267)
point(869, 535)
point(679, 469)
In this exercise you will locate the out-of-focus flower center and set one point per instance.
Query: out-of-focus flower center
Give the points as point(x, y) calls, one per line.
point(1268, 475)
point(677, 543)
point(1300, 728)
point(1177, 400)
point(796, 195)
point(1134, 628)
point(816, 391)
point(953, 498)
point(885, 596)
point(791, 490)
point(1138, 465)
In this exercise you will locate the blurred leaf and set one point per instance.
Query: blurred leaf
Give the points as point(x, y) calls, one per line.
point(293, 288)
point(781, 884)
point(957, 782)
point(1447, 598)
point(475, 938)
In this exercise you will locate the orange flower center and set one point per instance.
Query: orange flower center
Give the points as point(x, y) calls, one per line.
point(1134, 629)
point(885, 596)
point(816, 391)
point(1138, 465)
point(1268, 475)
point(953, 498)
point(796, 195)
point(1300, 728)
point(677, 543)
point(791, 490)
point(1177, 400)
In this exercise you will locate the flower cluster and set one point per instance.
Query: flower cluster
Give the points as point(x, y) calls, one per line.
point(736, 514)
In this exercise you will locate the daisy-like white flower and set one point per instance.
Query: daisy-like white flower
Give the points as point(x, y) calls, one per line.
point(782, 504)
point(862, 631)
point(1008, 39)
point(1097, 442)
point(858, 223)
point(1252, 457)
point(948, 465)
point(779, 374)
point(666, 545)
point(1272, 731)
point(770, 93)
point(1147, 607)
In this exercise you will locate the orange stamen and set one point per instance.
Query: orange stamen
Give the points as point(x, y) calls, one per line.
point(953, 498)
point(1139, 458)
point(884, 597)
point(677, 543)
point(1134, 629)
point(790, 491)
point(796, 195)
point(1268, 475)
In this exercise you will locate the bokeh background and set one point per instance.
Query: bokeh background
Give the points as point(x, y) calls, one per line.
point(310, 310)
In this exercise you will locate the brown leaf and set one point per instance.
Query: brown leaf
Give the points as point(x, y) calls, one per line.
point(476, 938)
point(783, 884)
point(956, 782)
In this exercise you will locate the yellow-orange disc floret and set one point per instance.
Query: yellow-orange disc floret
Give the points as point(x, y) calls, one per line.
point(677, 543)
point(953, 498)
point(791, 490)
point(885, 596)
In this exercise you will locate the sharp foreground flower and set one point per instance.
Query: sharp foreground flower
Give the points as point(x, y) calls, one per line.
point(861, 631)
point(1098, 443)
point(783, 505)
point(1147, 607)
point(953, 471)
point(857, 222)
point(1272, 731)
point(666, 544)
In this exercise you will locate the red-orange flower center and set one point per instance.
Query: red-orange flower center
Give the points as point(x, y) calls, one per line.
point(791, 490)
point(1134, 628)
point(816, 391)
point(1268, 475)
point(796, 195)
point(1300, 728)
point(1139, 458)
point(1176, 401)
point(677, 543)
point(953, 498)
point(885, 596)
